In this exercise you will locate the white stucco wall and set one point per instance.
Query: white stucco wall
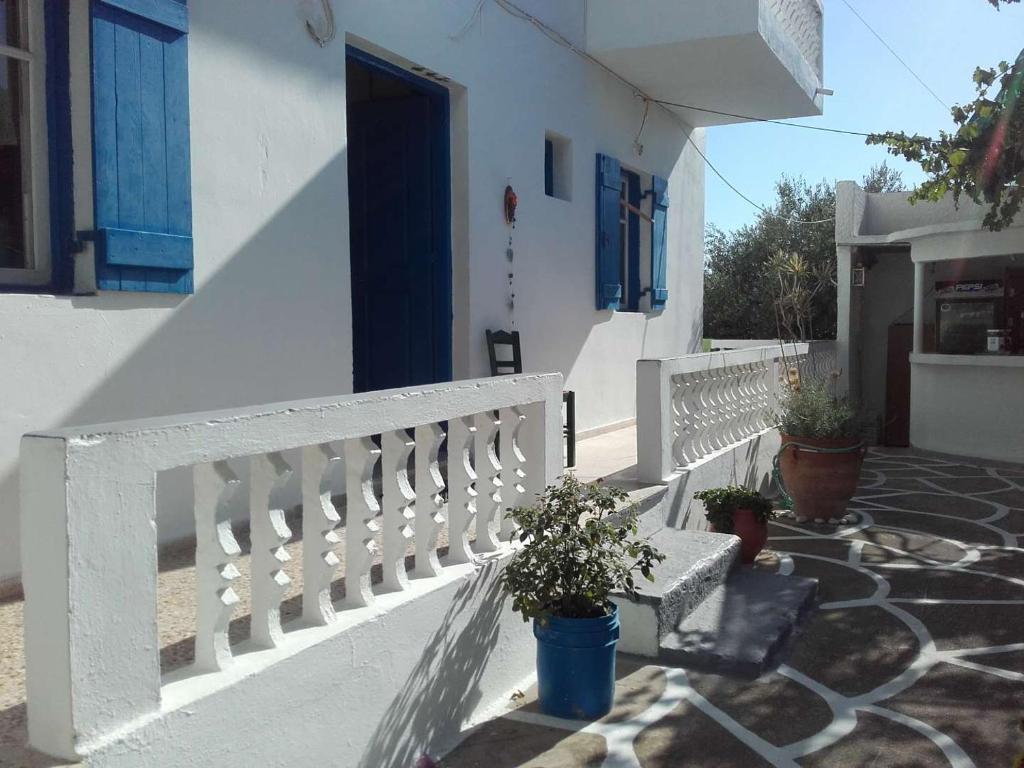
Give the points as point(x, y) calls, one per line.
point(270, 318)
point(964, 407)
point(967, 405)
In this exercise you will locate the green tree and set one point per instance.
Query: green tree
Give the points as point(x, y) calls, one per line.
point(983, 158)
point(741, 288)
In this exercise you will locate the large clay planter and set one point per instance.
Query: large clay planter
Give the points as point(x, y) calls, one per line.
point(753, 533)
point(821, 484)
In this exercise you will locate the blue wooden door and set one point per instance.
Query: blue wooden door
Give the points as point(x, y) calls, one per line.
point(400, 303)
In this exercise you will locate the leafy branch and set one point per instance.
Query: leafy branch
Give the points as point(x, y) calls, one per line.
point(984, 157)
point(574, 553)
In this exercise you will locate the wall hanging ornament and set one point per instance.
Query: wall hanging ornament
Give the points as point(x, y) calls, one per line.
point(511, 201)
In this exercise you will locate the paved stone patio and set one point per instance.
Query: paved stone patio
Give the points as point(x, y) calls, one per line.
point(915, 656)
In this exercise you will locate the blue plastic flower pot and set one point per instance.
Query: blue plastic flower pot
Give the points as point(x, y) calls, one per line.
point(576, 665)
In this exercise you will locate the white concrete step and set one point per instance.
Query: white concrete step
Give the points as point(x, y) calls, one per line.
point(743, 626)
point(696, 563)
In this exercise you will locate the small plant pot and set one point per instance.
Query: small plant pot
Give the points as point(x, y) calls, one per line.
point(576, 665)
point(821, 483)
point(753, 533)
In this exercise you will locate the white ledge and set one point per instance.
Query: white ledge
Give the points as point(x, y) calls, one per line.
point(995, 361)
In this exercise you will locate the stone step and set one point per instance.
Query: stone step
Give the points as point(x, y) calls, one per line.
point(696, 564)
point(743, 627)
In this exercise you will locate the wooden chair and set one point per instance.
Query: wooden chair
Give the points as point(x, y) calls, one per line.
point(514, 364)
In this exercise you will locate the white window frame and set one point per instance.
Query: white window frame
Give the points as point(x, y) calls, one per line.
point(35, 143)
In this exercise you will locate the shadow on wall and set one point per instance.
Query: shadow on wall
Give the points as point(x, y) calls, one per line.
point(742, 465)
point(443, 689)
point(271, 324)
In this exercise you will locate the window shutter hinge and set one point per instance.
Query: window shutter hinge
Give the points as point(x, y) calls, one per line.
point(81, 237)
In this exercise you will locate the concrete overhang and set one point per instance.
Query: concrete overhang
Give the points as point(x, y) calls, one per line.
point(761, 58)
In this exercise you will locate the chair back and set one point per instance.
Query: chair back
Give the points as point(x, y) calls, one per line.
point(504, 365)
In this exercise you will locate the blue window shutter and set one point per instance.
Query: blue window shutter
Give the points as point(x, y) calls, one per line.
point(609, 188)
point(142, 184)
point(659, 243)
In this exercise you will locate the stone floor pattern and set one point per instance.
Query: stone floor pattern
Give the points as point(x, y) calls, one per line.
point(914, 656)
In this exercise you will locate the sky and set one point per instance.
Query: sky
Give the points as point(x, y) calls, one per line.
point(942, 41)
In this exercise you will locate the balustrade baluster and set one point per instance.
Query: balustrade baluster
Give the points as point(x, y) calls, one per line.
point(268, 474)
point(216, 548)
point(429, 498)
point(462, 495)
point(361, 524)
point(319, 520)
point(513, 468)
point(398, 517)
point(488, 482)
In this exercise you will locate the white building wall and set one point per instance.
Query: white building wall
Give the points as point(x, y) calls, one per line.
point(968, 405)
point(270, 318)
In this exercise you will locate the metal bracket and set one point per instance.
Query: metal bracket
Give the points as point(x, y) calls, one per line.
point(77, 244)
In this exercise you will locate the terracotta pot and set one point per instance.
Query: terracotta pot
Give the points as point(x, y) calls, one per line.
point(821, 484)
point(752, 532)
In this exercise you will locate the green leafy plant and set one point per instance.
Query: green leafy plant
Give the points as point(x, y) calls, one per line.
point(721, 503)
point(983, 158)
point(574, 554)
point(811, 410)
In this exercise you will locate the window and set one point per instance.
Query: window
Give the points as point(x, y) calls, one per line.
point(557, 166)
point(631, 238)
point(24, 218)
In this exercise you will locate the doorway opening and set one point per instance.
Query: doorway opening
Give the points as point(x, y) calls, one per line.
point(399, 185)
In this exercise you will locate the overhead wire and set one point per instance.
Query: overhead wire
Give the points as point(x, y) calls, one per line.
point(895, 55)
point(514, 10)
point(753, 119)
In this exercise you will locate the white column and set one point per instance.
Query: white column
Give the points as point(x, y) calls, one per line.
point(653, 421)
point(845, 328)
point(918, 307)
point(89, 565)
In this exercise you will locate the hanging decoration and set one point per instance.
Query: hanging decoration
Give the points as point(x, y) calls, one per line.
point(511, 201)
point(323, 39)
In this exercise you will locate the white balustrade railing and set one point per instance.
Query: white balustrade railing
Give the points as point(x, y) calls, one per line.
point(90, 541)
point(692, 406)
point(803, 20)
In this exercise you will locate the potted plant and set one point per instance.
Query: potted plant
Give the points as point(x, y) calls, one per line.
point(575, 552)
point(821, 454)
point(739, 511)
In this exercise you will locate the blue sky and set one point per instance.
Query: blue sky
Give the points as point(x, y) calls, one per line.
point(942, 40)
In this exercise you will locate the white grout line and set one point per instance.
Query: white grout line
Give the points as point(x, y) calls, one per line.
point(856, 550)
point(1006, 674)
point(953, 752)
point(620, 736)
point(950, 601)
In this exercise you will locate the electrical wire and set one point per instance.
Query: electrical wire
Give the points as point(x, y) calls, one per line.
point(636, 142)
point(761, 119)
point(469, 22)
point(896, 55)
point(514, 10)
